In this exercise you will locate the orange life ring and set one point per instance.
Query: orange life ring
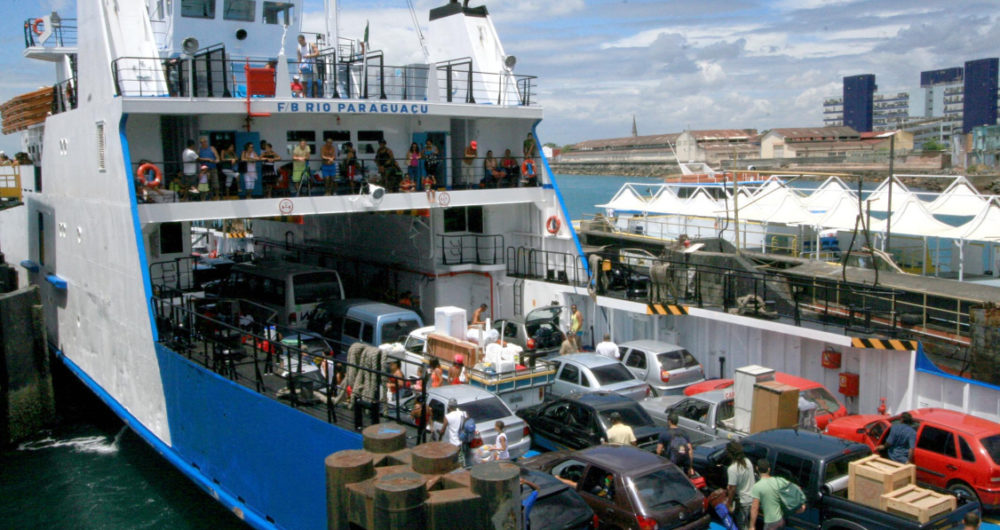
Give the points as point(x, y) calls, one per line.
point(552, 225)
point(157, 175)
point(34, 26)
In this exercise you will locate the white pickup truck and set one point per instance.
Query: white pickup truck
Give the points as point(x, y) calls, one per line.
point(520, 388)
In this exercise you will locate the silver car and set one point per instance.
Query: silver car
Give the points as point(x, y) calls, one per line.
point(485, 408)
point(587, 372)
point(668, 368)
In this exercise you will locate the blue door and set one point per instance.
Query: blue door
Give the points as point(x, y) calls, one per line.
point(438, 139)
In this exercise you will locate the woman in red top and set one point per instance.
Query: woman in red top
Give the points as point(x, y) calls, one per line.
point(437, 374)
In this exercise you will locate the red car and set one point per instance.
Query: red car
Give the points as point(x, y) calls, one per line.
point(954, 450)
point(827, 406)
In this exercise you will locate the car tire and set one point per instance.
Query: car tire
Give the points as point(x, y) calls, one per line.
point(961, 489)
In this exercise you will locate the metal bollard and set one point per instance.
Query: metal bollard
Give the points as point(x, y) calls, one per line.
point(343, 468)
point(499, 485)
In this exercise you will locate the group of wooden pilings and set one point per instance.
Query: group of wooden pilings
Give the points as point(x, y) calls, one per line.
point(388, 486)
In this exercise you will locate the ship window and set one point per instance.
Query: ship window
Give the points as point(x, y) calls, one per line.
point(277, 13)
point(171, 238)
point(198, 8)
point(239, 10)
point(293, 138)
point(466, 219)
point(338, 136)
point(368, 141)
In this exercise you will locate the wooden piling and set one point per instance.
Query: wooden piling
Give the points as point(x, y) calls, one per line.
point(343, 468)
point(434, 458)
point(449, 509)
point(498, 484)
point(383, 438)
point(399, 501)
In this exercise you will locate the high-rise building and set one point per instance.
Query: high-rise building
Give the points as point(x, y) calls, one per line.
point(859, 99)
point(980, 94)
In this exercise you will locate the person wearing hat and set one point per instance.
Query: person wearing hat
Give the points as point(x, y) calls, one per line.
point(453, 422)
point(620, 432)
point(469, 164)
point(457, 371)
point(297, 88)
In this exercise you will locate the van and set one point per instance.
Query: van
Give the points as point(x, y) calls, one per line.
point(292, 289)
point(345, 322)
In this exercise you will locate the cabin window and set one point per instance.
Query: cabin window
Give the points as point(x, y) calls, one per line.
point(239, 10)
point(368, 142)
point(465, 219)
point(277, 13)
point(171, 238)
point(338, 137)
point(198, 8)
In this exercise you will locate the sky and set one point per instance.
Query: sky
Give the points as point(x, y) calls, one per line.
point(683, 64)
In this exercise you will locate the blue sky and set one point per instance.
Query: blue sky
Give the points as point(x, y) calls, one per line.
point(682, 64)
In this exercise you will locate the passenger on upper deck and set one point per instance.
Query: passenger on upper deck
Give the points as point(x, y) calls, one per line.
point(529, 145)
point(248, 166)
point(189, 167)
point(228, 165)
point(6, 161)
point(469, 164)
point(491, 173)
point(509, 167)
point(268, 174)
point(208, 156)
point(431, 158)
point(300, 165)
point(297, 88)
point(407, 184)
point(413, 157)
point(307, 53)
point(329, 167)
point(383, 159)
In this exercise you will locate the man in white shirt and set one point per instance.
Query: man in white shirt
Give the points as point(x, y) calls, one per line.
point(453, 423)
point(620, 432)
point(189, 167)
point(608, 348)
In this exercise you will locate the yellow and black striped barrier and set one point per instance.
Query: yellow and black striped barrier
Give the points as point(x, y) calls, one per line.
point(884, 344)
point(661, 309)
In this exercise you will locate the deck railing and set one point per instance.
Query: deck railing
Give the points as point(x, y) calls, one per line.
point(476, 249)
point(63, 32)
point(219, 334)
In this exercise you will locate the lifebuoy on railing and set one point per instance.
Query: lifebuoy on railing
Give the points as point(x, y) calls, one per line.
point(157, 175)
point(34, 26)
point(552, 225)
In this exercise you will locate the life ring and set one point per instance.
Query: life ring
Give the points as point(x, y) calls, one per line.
point(157, 175)
point(552, 224)
point(34, 26)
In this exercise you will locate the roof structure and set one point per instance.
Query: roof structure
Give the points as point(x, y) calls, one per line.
point(827, 195)
point(959, 198)
point(665, 201)
point(911, 217)
point(842, 215)
point(816, 134)
point(627, 142)
point(879, 199)
point(985, 226)
point(627, 199)
point(701, 204)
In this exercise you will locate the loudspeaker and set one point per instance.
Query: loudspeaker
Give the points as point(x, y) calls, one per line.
point(510, 61)
point(375, 192)
point(190, 45)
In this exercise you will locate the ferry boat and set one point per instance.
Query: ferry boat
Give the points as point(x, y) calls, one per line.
point(111, 252)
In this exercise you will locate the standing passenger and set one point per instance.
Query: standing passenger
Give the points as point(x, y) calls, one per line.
point(431, 158)
point(437, 374)
point(268, 173)
point(739, 485)
point(189, 167)
point(307, 53)
point(576, 326)
point(469, 164)
point(413, 161)
point(228, 167)
point(454, 422)
point(249, 160)
point(208, 156)
point(300, 165)
point(329, 167)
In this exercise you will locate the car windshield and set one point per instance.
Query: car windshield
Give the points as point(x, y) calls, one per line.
point(673, 360)
point(610, 374)
point(398, 331)
point(483, 410)
point(633, 415)
point(414, 344)
point(824, 401)
point(992, 445)
point(663, 488)
point(554, 510)
point(310, 344)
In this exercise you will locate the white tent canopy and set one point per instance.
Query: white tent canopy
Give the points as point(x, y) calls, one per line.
point(828, 195)
point(842, 215)
point(879, 199)
point(985, 226)
point(665, 201)
point(627, 199)
point(701, 204)
point(960, 198)
point(912, 218)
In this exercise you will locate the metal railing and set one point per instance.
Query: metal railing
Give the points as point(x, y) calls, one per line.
point(557, 267)
point(477, 249)
point(245, 350)
point(64, 96)
point(326, 76)
point(63, 32)
point(10, 182)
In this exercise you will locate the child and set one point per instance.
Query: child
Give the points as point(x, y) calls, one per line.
point(203, 182)
point(429, 183)
point(407, 184)
point(297, 88)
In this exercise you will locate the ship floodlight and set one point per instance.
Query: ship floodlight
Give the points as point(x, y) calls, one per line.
point(375, 192)
point(510, 61)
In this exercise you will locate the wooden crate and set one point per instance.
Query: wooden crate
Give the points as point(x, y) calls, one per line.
point(445, 348)
point(873, 476)
point(917, 503)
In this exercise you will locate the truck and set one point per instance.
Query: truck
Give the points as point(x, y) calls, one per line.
point(819, 464)
point(517, 385)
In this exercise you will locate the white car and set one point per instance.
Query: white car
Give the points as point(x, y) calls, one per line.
point(485, 408)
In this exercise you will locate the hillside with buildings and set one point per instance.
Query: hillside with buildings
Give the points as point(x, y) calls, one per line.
point(946, 125)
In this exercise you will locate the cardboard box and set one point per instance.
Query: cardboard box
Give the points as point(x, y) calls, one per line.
point(872, 477)
point(775, 406)
point(743, 383)
point(918, 504)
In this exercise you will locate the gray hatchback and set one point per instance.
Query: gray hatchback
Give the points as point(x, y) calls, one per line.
point(587, 372)
point(668, 368)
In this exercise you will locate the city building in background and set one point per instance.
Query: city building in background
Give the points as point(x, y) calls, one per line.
point(980, 94)
point(859, 99)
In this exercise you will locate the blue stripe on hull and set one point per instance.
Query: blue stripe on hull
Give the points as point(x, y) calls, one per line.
point(256, 456)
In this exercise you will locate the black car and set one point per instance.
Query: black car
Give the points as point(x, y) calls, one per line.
point(538, 332)
point(580, 421)
point(558, 506)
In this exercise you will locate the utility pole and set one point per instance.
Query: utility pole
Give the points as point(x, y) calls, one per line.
point(888, 220)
